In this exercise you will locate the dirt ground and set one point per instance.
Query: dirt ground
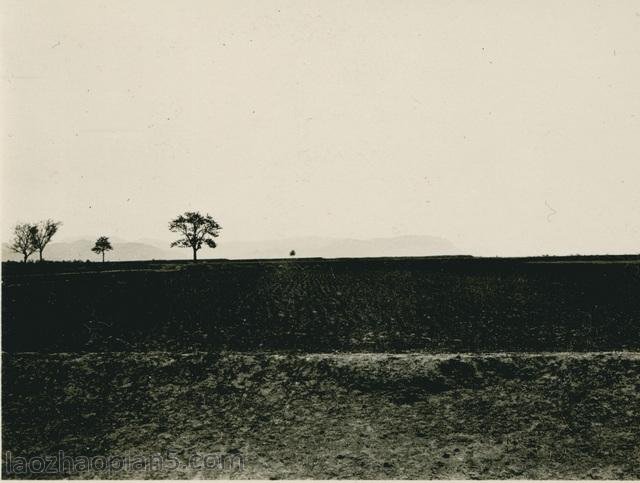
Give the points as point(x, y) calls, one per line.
point(338, 415)
point(360, 305)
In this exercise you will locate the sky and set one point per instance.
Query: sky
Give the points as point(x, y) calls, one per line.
point(505, 127)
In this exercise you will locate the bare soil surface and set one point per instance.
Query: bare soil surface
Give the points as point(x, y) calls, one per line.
point(335, 415)
point(359, 305)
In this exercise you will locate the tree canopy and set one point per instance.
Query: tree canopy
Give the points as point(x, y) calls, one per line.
point(23, 237)
point(196, 230)
point(102, 245)
point(42, 234)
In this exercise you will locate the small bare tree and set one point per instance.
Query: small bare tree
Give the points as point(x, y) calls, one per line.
point(23, 236)
point(43, 233)
point(102, 245)
point(196, 230)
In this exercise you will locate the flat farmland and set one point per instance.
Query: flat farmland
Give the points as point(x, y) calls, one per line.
point(370, 368)
point(435, 305)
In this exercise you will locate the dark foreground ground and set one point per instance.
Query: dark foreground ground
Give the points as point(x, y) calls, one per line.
point(379, 368)
point(332, 415)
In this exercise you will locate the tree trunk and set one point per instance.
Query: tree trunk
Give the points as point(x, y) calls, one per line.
point(195, 256)
point(25, 257)
point(102, 257)
point(40, 253)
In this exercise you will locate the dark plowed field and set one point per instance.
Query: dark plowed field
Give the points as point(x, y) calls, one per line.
point(387, 305)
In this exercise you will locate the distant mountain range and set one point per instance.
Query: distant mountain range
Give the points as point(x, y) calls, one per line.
point(149, 249)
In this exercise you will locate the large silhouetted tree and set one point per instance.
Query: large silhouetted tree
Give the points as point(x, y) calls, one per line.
point(43, 233)
point(23, 236)
point(102, 245)
point(196, 230)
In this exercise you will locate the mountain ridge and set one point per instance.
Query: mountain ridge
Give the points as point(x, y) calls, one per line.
point(151, 249)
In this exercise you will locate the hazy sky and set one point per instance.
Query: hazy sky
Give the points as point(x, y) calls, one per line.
point(507, 127)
